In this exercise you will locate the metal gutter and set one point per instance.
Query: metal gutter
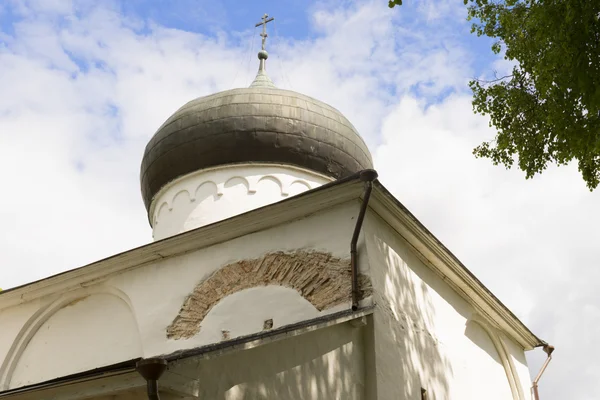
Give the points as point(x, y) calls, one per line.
point(151, 369)
point(461, 274)
point(242, 224)
point(210, 350)
point(367, 176)
point(382, 202)
point(256, 339)
point(548, 349)
point(108, 370)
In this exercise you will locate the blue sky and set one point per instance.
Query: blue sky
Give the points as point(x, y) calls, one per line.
point(85, 84)
point(233, 21)
point(209, 17)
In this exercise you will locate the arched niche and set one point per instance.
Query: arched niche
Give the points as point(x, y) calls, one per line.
point(253, 310)
point(321, 279)
point(489, 365)
point(74, 334)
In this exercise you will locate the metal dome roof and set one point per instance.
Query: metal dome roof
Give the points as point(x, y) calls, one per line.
point(261, 124)
point(256, 124)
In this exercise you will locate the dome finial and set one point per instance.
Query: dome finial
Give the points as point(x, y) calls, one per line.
point(262, 79)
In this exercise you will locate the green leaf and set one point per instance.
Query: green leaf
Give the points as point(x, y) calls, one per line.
point(548, 110)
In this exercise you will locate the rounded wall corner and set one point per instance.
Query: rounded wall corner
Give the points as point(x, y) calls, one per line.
point(47, 311)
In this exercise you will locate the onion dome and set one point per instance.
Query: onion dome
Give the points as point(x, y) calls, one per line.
point(258, 124)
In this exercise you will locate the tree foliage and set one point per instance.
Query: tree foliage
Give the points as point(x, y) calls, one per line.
point(547, 110)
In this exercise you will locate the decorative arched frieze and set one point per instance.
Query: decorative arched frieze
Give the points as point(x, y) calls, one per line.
point(271, 178)
point(183, 196)
point(164, 208)
point(224, 191)
point(250, 183)
point(236, 180)
point(33, 324)
point(298, 183)
point(213, 189)
point(322, 279)
point(503, 353)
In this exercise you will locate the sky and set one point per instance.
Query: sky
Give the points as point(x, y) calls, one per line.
point(85, 84)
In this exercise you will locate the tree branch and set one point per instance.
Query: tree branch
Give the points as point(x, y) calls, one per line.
point(493, 80)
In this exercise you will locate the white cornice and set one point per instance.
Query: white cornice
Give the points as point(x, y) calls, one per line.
point(432, 252)
point(256, 220)
point(209, 172)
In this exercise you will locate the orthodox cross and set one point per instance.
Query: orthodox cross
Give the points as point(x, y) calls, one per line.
point(265, 18)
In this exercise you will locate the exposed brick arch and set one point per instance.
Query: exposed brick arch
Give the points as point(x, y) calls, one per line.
point(323, 280)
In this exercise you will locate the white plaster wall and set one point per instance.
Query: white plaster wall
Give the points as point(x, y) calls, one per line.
point(422, 335)
point(158, 291)
point(12, 321)
point(245, 312)
point(479, 369)
point(88, 333)
point(520, 365)
point(325, 364)
point(132, 395)
point(211, 195)
point(100, 329)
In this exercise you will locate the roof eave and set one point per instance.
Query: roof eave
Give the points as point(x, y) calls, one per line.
point(202, 352)
point(383, 203)
point(296, 207)
point(449, 267)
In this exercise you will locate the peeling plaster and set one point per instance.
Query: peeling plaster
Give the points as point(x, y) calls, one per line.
point(325, 281)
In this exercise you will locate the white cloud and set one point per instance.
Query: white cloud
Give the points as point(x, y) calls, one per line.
point(81, 98)
point(80, 101)
point(533, 243)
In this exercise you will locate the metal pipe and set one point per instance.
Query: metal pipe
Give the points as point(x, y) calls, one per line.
point(367, 176)
point(534, 388)
point(152, 389)
point(151, 370)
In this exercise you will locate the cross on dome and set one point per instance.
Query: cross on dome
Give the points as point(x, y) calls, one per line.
point(237, 131)
point(262, 79)
point(265, 19)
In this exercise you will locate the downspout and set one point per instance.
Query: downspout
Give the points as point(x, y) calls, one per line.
point(151, 370)
point(534, 388)
point(367, 176)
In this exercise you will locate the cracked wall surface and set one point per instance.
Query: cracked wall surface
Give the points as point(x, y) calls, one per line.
point(323, 280)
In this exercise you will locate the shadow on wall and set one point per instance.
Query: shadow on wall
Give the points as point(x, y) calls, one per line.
point(129, 395)
point(85, 329)
point(321, 365)
point(408, 354)
point(481, 339)
point(495, 364)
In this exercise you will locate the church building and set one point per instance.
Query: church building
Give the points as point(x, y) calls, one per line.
point(281, 268)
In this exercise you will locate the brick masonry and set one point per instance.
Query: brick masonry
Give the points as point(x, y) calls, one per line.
point(323, 280)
